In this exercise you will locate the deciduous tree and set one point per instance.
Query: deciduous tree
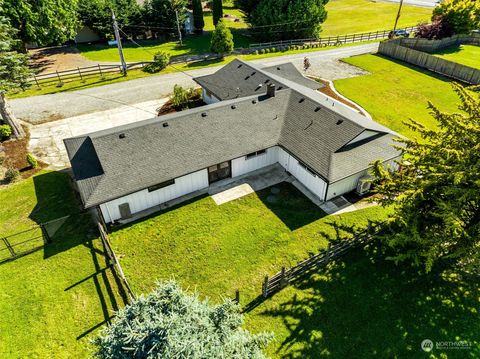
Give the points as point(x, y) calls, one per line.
point(287, 19)
point(168, 324)
point(44, 22)
point(462, 15)
point(437, 192)
point(160, 14)
point(222, 40)
point(14, 73)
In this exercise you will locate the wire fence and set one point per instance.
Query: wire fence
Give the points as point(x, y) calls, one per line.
point(18, 244)
point(332, 40)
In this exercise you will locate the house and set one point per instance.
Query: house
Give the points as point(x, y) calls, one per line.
point(255, 122)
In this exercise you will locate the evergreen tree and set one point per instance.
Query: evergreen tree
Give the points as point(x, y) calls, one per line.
point(287, 19)
point(217, 11)
point(44, 22)
point(168, 324)
point(222, 40)
point(14, 73)
point(437, 192)
point(198, 22)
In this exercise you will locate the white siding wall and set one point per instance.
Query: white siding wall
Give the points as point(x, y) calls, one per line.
point(241, 165)
point(350, 183)
point(208, 99)
point(141, 200)
point(312, 182)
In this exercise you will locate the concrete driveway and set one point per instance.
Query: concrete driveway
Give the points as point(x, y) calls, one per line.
point(39, 109)
point(46, 140)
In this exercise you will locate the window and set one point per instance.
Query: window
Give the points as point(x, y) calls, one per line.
point(255, 154)
point(161, 185)
point(312, 172)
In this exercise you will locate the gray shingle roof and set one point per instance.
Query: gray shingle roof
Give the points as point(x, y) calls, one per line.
point(299, 119)
point(240, 79)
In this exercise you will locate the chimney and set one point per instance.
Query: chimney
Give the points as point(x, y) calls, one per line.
point(271, 90)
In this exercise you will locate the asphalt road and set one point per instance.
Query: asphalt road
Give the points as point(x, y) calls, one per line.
point(39, 109)
point(422, 3)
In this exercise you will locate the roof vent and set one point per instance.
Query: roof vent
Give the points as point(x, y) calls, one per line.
point(271, 90)
point(280, 87)
point(122, 135)
point(339, 122)
point(165, 124)
point(233, 107)
point(278, 68)
point(204, 114)
point(301, 100)
point(247, 77)
point(253, 73)
point(267, 81)
point(254, 101)
point(318, 109)
point(239, 66)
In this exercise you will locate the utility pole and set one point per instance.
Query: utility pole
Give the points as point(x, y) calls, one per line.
point(178, 28)
point(119, 43)
point(398, 17)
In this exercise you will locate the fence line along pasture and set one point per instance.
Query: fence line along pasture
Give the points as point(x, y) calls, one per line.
point(331, 40)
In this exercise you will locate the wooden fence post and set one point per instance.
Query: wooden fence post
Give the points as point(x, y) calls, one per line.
point(100, 70)
point(80, 73)
point(282, 278)
point(265, 287)
point(59, 78)
point(237, 296)
point(36, 81)
point(328, 252)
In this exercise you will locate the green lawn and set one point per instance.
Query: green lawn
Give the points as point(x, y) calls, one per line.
point(344, 17)
point(468, 55)
point(393, 92)
point(355, 16)
point(360, 307)
point(54, 299)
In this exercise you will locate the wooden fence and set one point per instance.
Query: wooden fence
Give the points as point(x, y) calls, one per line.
point(21, 243)
point(463, 73)
point(275, 283)
point(81, 73)
point(113, 260)
point(332, 40)
point(432, 46)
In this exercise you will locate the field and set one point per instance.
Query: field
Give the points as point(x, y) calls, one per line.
point(394, 92)
point(344, 17)
point(361, 306)
point(55, 299)
point(468, 55)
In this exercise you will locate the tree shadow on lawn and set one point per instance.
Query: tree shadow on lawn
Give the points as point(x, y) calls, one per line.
point(364, 306)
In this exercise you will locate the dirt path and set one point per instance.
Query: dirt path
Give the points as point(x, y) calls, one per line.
point(58, 59)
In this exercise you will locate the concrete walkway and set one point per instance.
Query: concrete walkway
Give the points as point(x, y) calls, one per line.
point(339, 205)
point(46, 140)
point(37, 109)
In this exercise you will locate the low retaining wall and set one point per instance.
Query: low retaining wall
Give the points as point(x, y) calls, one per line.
point(396, 50)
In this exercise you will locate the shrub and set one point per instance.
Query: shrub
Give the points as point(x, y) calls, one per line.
point(5, 132)
point(437, 30)
point(262, 51)
point(32, 161)
point(161, 324)
point(256, 52)
point(221, 42)
point(273, 49)
point(161, 59)
point(11, 175)
point(267, 51)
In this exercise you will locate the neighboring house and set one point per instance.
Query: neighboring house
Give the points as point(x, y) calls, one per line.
point(262, 119)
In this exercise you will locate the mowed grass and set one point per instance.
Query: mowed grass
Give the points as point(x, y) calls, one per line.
point(394, 92)
point(468, 55)
point(344, 17)
point(52, 301)
point(355, 16)
point(361, 306)
point(218, 249)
